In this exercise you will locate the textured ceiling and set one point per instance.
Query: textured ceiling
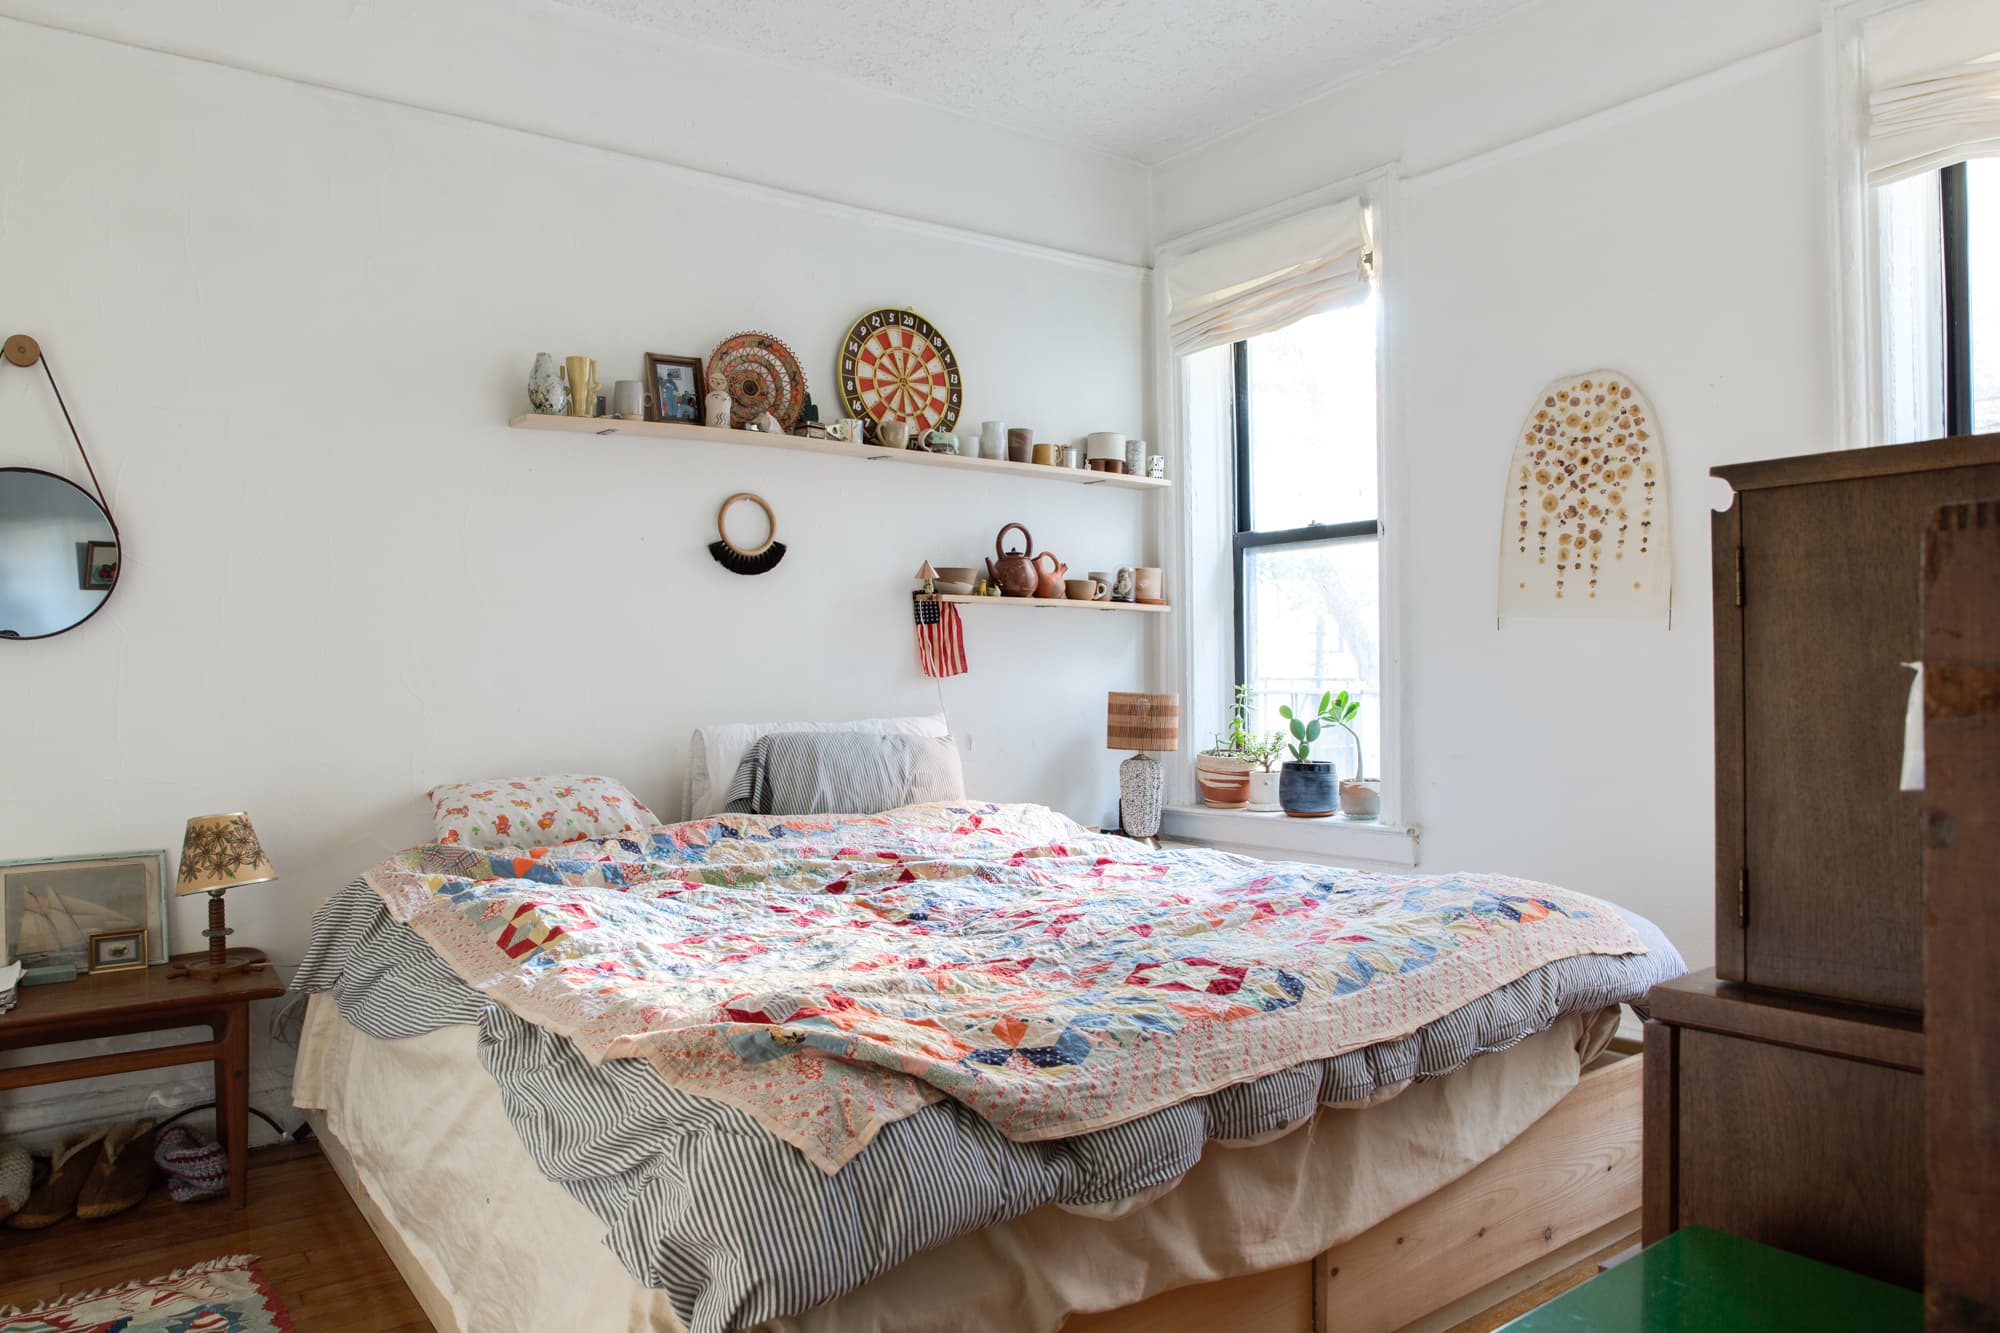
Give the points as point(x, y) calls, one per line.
point(1143, 79)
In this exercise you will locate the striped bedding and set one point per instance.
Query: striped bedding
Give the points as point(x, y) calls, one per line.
point(739, 1226)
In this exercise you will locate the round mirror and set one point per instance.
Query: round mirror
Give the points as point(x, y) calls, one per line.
point(58, 554)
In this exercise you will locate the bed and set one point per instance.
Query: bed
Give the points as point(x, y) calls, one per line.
point(958, 1065)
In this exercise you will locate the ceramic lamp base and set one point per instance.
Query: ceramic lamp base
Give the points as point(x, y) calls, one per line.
point(1141, 783)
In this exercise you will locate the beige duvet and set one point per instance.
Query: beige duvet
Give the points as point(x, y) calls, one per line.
point(507, 1249)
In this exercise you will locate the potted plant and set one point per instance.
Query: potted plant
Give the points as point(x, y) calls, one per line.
point(1305, 784)
point(1222, 771)
point(1264, 751)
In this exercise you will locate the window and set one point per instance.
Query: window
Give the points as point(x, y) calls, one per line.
point(1938, 238)
point(1308, 530)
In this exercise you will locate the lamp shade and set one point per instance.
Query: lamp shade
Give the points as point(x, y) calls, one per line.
point(1142, 722)
point(221, 852)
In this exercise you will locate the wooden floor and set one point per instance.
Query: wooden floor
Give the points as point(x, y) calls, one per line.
point(323, 1261)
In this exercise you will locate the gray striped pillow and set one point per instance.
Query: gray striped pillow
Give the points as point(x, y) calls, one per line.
point(844, 773)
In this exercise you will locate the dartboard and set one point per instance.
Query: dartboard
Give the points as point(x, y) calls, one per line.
point(895, 363)
point(761, 375)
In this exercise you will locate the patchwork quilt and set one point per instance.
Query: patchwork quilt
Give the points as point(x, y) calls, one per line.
point(832, 975)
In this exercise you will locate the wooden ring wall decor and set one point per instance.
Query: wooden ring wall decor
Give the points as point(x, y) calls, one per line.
point(896, 363)
point(762, 559)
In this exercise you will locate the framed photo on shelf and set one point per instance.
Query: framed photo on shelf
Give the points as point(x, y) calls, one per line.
point(100, 565)
point(675, 386)
point(117, 950)
point(52, 908)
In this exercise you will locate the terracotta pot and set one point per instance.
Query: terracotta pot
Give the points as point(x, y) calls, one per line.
point(1264, 790)
point(1305, 790)
point(1224, 780)
point(1361, 798)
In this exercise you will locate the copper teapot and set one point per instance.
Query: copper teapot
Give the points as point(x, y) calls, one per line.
point(1015, 572)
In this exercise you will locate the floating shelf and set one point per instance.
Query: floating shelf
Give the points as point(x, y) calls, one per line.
point(676, 430)
point(1058, 603)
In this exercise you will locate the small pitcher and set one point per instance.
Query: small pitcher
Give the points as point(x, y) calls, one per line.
point(1049, 577)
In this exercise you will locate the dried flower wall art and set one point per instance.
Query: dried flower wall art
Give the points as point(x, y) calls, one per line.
point(1585, 531)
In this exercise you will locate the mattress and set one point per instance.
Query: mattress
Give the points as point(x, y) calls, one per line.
point(432, 1146)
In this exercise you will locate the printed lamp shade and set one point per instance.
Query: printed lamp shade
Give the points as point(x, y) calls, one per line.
point(1142, 722)
point(221, 852)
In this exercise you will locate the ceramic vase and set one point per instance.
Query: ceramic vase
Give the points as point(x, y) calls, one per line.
point(992, 439)
point(581, 372)
point(719, 409)
point(548, 392)
point(1305, 790)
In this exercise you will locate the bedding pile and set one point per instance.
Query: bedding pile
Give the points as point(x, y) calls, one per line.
point(779, 1055)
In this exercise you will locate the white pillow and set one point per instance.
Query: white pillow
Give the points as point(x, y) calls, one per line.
point(714, 752)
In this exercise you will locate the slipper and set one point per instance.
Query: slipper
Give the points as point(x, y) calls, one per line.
point(122, 1175)
point(69, 1167)
point(17, 1178)
point(196, 1168)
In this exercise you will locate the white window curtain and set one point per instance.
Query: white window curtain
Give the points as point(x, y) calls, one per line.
point(1933, 86)
point(1264, 279)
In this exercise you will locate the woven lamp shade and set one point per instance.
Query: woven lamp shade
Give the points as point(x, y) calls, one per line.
point(1142, 722)
point(221, 852)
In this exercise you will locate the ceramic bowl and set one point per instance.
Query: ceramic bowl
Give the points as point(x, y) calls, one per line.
point(952, 588)
point(956, 574)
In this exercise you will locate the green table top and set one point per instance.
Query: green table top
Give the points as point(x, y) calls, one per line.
point(1703, 1281)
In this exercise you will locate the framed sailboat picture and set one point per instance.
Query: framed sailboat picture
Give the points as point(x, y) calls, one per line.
point(50, 908)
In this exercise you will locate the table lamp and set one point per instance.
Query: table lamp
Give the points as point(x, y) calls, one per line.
point(1141, 722)
point(220, 853)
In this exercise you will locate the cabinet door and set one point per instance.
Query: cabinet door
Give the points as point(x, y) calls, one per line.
point(1831, 853)
point(1811, 1153)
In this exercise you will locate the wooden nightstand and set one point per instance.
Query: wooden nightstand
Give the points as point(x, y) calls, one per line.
point(119, 1004)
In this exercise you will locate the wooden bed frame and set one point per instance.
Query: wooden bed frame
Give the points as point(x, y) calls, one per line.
point(1569, 1185)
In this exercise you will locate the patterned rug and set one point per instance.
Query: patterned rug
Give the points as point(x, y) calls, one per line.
point(229, 1295)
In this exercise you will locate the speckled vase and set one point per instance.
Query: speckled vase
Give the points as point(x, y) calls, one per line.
point(548, 392)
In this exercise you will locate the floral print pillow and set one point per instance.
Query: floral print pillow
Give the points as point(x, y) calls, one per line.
point(535, 812)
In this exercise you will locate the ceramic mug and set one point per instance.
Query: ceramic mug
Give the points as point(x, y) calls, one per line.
point(1072, 455)
point(1083, 590)
point(1103, 582)
point(992, 439)
point(1020, 444)
point(628, 400)
point(893, 434)
point(1045, 454)
point(1146, 585)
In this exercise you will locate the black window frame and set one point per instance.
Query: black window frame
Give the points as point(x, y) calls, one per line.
point(1246, 536)
point(1956, 210)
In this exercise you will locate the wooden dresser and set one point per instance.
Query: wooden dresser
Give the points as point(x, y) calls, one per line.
point(1785, 1087)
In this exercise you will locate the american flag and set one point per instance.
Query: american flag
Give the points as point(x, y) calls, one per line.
point(940, 640)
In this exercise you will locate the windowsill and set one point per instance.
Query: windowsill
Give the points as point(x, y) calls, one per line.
point(1336, 839)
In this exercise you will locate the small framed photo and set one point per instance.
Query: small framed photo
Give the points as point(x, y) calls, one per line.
point(117, 950)
point(675, 386)
point(100, 565)
point(51, 909)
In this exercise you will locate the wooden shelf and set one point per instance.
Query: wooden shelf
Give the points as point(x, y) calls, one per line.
point(676, 430)
point(1057, 603)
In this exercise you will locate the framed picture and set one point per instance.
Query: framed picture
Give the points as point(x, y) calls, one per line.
point(117, 950)
point(100, 565)
point(675, 386)
point(51, 908)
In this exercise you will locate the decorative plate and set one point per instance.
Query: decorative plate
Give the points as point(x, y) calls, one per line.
point(895, 363)
point(761, 375)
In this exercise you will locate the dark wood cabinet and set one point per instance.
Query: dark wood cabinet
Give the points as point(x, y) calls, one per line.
point(1818, 855)
point(1786, 1089)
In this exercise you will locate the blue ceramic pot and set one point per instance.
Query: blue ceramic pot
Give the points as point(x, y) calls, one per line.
point(1306, 790)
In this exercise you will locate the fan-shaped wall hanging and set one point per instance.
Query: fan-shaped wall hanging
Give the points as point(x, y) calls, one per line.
point(1585, 532)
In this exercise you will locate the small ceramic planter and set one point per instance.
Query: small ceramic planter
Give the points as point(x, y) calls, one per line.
point(1264, 790)
point(1224, 780)
point(1305, 790)
point(1361, 798)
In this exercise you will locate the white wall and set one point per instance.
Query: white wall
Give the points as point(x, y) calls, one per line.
point(1680, 238)
point(293, 322)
